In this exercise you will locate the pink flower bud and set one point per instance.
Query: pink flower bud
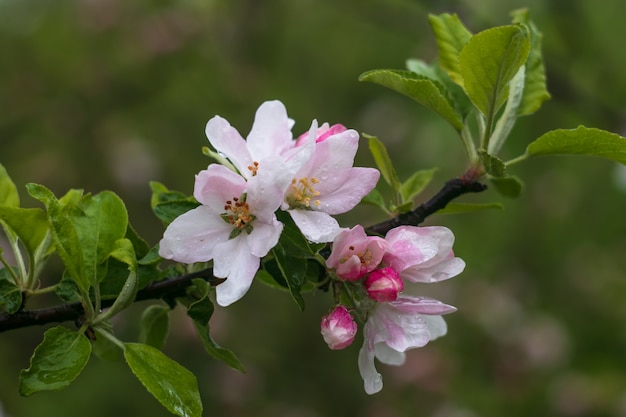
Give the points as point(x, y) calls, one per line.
point(322, 132)
point(383, 285)
point(338, 328)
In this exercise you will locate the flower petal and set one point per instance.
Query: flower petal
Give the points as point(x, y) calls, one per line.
point(316, 226)
point(227, 140)
point(389, 356)
point(356, 184)
point(192, 236)
point(372, 380)
point(271, 131)
point(233, 261)
point(216, 185)
point(264, 237)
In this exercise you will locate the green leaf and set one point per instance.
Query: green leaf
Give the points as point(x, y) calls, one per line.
point(124, 252)
point(154, 325)
point(10, 294)
point(215, 350)
point(580, 141)
point(492, 164)
point(167, 204)
point(383, 162)
point(171, 384)
point(29, 224)
point(294, 272)
point(489, 62)
point(84, 231)
point(457, 208)
point(416, 183)
point(535, 91)
point(451, 36)
point(56, 362)
point(461, 102)
point(509, 186)
point(375, 198)
point(428, 92)
point(201, 310)
point(8, 191)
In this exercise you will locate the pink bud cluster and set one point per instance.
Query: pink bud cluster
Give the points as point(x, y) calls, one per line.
point(384, 267)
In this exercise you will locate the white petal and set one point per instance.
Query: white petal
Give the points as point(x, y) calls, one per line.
point(264, 237)
point(216, 185)
point(389, 356)
point(437, 326)
point(234, 262)
point(355, 185)
point(316, 226)
point(192, 236)
point(271, 131)
point(438, 272)
point(372, 380)
point(226, 140)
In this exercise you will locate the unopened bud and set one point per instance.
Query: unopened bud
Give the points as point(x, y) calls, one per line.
point(338, 328)
point(383, 285)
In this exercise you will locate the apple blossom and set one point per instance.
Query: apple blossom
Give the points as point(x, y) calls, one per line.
point(354, 254)
point(383, 285)
point(395, 327)
point(338, 328)
point(327, 184)
point(235, 226)
point(322, 132)
point(422, 254)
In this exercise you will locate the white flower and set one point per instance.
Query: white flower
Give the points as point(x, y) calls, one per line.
point(235, 226)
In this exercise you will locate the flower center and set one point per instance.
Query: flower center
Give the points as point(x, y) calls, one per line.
point(237, 213)
point(365, 257)
point(303, 193)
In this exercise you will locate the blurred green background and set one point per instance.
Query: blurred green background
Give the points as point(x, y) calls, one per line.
point(109, 94)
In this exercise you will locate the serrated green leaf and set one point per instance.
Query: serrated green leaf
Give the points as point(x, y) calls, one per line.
point(428, 92)
point(492, 164)
point(383, 162)
point(29, 224)
point(509, 186)
point(216, 351)
point(489, 61)
point(451, 36)
point(535, 91)
point(10, 294)
point(154, 325)
point(8, 191)
point(580, 141)
point(458, 208)
point(171, 384)
point(416, 183)
point(56, 362)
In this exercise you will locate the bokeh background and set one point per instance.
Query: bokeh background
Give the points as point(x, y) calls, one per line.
point(109, 94)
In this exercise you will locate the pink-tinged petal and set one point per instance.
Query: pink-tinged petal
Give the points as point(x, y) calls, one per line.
point(264, 237)
point(333, 155)
point(409, 305)
point(354, 254)
point(439, 272)
point(351, 237)
point(227, 141)
point(266, 189)
point(271, 131)
point(233, 260)
point(216, 185)
point(355, 186)
point(372, 380)
point(192, 236)
point(316, 226)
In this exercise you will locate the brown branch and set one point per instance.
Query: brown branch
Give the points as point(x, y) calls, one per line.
point(170, 288)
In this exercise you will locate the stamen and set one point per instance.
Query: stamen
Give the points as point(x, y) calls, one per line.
point(302, 193)
point(237, 213)
point(253, 168)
